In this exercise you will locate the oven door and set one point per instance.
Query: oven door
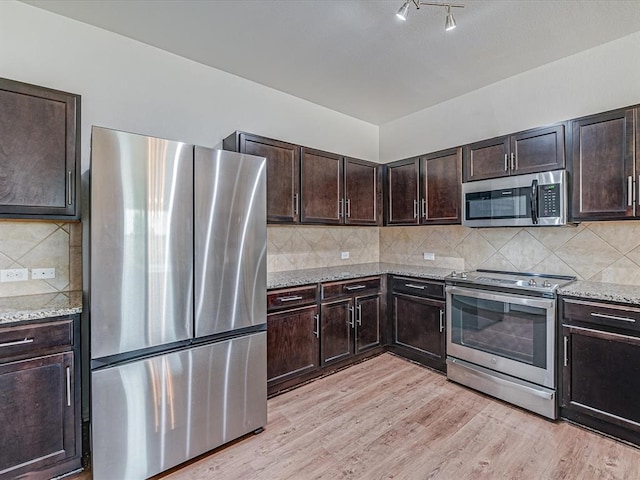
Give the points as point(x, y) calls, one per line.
point(508, 333)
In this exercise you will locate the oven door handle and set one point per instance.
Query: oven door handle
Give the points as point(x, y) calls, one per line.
point(534, 202)
point(498, 296)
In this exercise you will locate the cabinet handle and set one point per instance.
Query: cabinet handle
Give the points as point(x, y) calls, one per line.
point(514, 165)
point(506, 162)
point(290, 299)
point(18, 342)
point(351, 317)
point(415, 209)
point(341, 208)
point(629, 191)
point(316, 332)
point(348, 208)
point(359, 316)
point(296, 208)
point(441, 320)
point(613, 317)
point(68, 387)
point(69, 189)
point(413, 285)
point(566, 354)
point(424, 208)
point(354, 287)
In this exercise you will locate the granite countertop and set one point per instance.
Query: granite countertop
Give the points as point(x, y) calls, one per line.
point(34, 307)
point(611, 292)
point(295, 278)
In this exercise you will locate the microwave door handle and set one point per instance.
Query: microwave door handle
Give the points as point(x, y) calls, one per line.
point(534, 202)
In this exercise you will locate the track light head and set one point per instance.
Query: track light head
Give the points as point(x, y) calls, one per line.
point(404, 10)
point(450, 22)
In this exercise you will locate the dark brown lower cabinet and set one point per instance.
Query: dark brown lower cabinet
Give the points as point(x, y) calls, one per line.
point(418, 321)
point(38, 411)
point(600, 364)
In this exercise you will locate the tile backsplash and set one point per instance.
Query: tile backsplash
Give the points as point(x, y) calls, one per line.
point(599, 251)
point(30, 245)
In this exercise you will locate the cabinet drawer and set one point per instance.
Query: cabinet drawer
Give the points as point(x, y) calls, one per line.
point(420, 288)
point(30, 339)
point(352, 287)
point(291, 297)
point(618, 316)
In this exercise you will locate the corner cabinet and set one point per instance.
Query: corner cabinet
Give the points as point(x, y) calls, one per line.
point(293, 333)
point(39, 152)
point(350, 320)
point(425, 190)
point(283, 173)
point(39, 399)
point(604, 166)
point(531, 151)
point(600, 364)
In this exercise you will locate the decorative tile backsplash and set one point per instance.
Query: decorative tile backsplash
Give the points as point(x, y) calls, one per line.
point(601, 251)
point(32, 245)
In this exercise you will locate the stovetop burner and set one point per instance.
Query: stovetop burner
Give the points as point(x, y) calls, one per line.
point(521, 280)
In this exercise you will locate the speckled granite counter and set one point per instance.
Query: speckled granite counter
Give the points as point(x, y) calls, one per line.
point(314, 275)
point(34, 307)
point(611, 292)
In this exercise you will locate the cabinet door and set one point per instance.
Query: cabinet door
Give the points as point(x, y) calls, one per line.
point(321, 187)
point(486, 159)
point(441, 180)
point(537, 150)
point(362, 192)
point(283, 176)
point(292, 343)
point(39, 152)
point(37, 408)
point(402, 192)
point(602, 166)
point(418, 326)
point(601, 375)
point(337, 321)
point(367, 323)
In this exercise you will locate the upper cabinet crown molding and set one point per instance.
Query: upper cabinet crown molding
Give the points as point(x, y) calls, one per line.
point(39, 152)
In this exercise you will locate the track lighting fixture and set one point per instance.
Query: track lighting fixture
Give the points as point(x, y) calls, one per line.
point(450, 22)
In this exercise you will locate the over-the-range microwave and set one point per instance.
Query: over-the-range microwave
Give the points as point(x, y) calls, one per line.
point(538, 199)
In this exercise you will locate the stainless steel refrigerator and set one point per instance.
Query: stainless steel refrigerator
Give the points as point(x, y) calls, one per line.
point(177, 301)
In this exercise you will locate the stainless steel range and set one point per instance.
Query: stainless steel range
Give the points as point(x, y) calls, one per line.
point(501, 329)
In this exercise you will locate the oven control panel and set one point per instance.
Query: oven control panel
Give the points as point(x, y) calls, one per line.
point(549, 200)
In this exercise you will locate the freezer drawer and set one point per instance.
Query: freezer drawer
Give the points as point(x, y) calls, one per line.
point(153, 414)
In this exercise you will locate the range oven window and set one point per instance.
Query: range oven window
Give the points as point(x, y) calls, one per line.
point(510, 330)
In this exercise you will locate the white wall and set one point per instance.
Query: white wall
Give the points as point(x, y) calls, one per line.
point(131, 86)
point(596, 80)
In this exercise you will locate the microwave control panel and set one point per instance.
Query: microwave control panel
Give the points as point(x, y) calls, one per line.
point(549, 198)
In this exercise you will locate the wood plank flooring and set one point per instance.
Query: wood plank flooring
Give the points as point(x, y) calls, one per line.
point(387, 418)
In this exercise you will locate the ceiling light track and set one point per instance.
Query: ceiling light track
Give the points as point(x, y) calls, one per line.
point(449, 23)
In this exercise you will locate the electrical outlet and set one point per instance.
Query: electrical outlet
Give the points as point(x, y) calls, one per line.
point(429, 256)
point(42, 273)
point(344, 255)
point(14, 275)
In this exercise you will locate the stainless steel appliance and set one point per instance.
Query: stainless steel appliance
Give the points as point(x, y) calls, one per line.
point(501, 330)
point(519, 200)
point(178, 301)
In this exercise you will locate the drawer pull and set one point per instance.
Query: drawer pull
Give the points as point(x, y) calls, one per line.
point(18, 342)
point(613, 317)
point(354, 287)
point(290, 299)
point(413, 285)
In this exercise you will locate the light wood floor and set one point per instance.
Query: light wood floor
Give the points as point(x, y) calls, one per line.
point(388, 418)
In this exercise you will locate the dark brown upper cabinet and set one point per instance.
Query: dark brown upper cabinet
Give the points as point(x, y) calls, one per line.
point(283, 173)
point(39, 152)
point(536, 150)
point(362, 192)
point(425, 190)
point(603, 170)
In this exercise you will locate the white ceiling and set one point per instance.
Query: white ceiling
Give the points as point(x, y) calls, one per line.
point(355, 56)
